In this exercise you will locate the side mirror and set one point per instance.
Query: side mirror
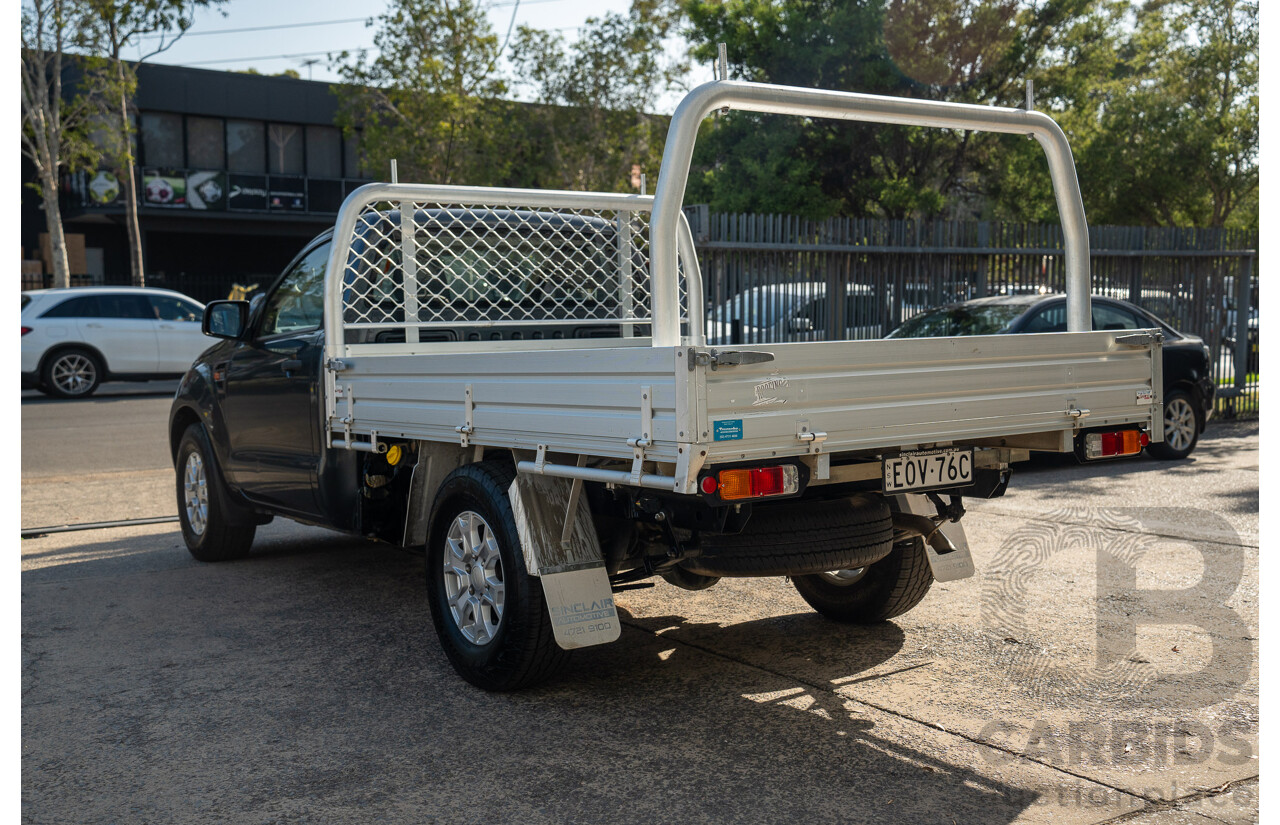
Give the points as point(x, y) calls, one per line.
point(225, 319)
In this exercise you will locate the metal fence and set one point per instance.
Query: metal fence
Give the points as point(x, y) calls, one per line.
point(768, 278)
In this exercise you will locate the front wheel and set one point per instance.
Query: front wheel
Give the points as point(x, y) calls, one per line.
point(874, 593)
point(1181, 428)
point(202, 509)
point(489, 613)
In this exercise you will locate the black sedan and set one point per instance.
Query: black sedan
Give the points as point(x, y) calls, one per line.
point(1188, 385)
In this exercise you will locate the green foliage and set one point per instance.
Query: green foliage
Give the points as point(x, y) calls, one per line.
point(425, 98)
point(597, 96)
point(1159, 101)
point(1161, 105)
point(965, 50)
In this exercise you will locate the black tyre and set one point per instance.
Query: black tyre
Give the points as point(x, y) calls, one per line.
point(875, 593)
point(202, 505)
point(800, 537)
point(490, 614)
point(1181, 427)
point(71, 373)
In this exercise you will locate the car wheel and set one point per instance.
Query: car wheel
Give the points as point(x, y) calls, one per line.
point(1181, 427)
point(490, 614)
point(202, 510)
point(71, 373)
point(874, 593)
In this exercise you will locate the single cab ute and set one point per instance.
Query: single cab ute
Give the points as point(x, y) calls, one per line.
point(519, 382)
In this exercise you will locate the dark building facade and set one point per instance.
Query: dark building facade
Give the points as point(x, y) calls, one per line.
point(235, 173)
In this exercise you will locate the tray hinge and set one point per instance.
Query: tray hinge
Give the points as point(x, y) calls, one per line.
point(815, 440)
point(1140, 339)
point(638, 445)
point(726, 358)
point(465, 431)
point(350, 417)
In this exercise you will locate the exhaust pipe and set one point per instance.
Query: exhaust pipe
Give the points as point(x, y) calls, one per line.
point(924, 527)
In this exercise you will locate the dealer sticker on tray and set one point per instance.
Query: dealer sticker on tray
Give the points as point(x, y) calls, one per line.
point(730, 430)
point(928, 470)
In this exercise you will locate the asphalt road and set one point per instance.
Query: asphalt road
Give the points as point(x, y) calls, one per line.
point(1100, 666)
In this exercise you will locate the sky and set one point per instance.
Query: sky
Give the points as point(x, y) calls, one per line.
point(341, 26)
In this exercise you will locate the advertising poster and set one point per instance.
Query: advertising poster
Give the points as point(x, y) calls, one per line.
point(288, 194)
point(207, 190)
point(164, 187)
point(103, 188)
point(247, 192)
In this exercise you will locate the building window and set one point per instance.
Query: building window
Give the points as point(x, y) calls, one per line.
point(162, 139)
point(324, 152)
point(351, 166)
point(285, 149)
point(206, 147)
point(246, 147)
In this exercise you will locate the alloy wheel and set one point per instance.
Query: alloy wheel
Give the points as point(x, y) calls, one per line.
point(196, 494)
point(474, 581)
point(1179, 424)
point(74, 373)
point(844, 577)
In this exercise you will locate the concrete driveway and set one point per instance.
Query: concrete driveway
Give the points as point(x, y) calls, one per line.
point(1101, 666)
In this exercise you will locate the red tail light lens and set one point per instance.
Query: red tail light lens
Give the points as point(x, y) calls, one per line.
point(1109, 445)
point(25, 330)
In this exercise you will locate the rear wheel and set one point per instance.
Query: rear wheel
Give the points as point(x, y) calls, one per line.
point(489, 613)
point(1181, 427)
point(874, 593)
point(202, 506)
point(71, 373)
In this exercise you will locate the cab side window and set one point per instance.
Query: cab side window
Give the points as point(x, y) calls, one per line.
point(1109, 317)
point(1049, 319)
point(297, 305)
point(124, 306)
point(167, 308)
point(85, 306)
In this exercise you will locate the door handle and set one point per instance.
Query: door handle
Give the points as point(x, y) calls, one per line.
point(292, 365)
point(94, 326)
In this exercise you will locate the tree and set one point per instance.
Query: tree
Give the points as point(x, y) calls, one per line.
point(427, 96)
point(966, 50)
point(598, 95)
point(55, 128)
point(1160, 103)
point(113, 25)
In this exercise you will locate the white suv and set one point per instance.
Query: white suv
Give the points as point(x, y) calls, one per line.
point(74, 339)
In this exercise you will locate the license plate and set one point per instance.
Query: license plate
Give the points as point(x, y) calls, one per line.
point(928, 470)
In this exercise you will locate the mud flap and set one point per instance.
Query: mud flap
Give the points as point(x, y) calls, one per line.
point(947, 567)
point(574, 580)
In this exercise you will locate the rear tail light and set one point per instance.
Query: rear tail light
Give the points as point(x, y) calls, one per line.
point(25, 330)
point(1121, 442)
point(754, 482)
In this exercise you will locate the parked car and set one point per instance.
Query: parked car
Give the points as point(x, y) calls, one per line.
point(1188, 383)
point(793, 312)
point(1251, 329)
point(74, 339)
